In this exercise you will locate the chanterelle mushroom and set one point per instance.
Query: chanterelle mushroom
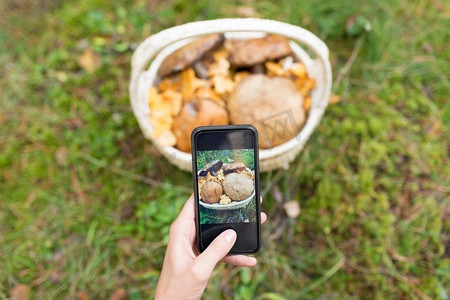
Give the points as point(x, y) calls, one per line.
point(194, 114)
point(273, 105)
point(251, 52)
point(212, 167)
point(189, 54)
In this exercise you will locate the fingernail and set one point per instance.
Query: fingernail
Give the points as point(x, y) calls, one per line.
point(230, 235)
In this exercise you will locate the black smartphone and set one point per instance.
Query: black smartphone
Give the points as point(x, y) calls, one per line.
point(225, 168)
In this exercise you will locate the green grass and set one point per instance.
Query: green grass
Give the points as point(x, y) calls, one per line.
point(86, 202)
point(238, 215)
point(245, 156)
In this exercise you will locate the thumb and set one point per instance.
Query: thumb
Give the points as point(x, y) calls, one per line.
point(217, 250)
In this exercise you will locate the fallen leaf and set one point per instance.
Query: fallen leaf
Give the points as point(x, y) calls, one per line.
point(82, 295)
point(432, 127)
point(120, 294)
point(334, 99)
point(20, 292)
point(127, 212)
point(292, 209)
point(30, 198)
point(126, 245)
point(3, 118)
point(81, 195)
point(90, 61)
point(61, 156)
point(58, 257)
point(55, 277)
point(75, 123)
point(61, 76)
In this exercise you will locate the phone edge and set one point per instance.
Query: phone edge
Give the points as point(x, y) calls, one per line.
point(257, 175)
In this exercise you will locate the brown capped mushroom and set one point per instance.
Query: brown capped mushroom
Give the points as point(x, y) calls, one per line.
point(189, 54)
point(212, 168)
point(238, 186)
point(193, 114)
point(246, 53)
point(211, 192)
point(272, 104)
point(233, 167)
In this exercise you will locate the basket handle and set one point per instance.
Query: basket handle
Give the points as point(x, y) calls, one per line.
point(148, 49)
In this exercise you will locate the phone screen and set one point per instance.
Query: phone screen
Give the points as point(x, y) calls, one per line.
point(226, 184)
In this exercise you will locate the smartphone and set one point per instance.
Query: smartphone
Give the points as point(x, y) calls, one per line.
point(225, 168)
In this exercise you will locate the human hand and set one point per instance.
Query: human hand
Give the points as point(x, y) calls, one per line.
point(185, 272)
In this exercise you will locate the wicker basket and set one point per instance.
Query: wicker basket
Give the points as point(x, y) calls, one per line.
point(157, 47)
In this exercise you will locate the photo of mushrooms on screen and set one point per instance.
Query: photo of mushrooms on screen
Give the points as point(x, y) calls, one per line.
point(226, 186)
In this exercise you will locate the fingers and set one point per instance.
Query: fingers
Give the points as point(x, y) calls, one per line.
point(263, 215)
point(216, 251)
point(263, 218)
point(243, 260)
point(240, 260)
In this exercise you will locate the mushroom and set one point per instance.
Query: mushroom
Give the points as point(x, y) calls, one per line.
point(212, 167)
point(193, 114)
point(238, 186)
point(189, 54)
point(233, 167)
point(224, 200)
point(272, 104)
point(246, 53)
point(211, 192)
